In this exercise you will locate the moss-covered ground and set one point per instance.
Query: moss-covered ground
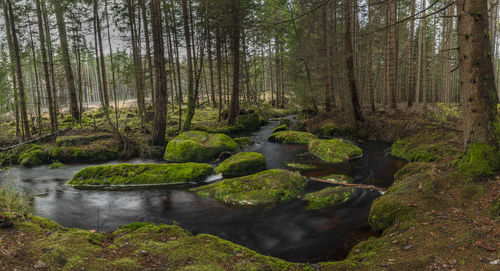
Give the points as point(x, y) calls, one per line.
point(241, 164)
point(198, 146)
point(292, 137)
point(334, 150)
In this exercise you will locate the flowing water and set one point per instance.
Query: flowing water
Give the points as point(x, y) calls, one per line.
point(288, 231)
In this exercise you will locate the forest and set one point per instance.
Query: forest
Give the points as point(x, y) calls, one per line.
point(249, 135)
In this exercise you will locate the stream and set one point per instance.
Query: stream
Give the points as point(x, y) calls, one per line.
point(289, 231)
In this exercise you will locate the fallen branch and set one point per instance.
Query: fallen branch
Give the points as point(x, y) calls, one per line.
point(362, 186)
point(34, 140)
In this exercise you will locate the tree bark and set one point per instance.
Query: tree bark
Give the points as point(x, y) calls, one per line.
point(392, 56)
point(326, 60)
point(61, 27)
point(191, 98)
point(148, 48)
point(477, 79)
point(234, 107)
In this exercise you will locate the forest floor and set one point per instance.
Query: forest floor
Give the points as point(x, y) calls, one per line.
point(434, 217)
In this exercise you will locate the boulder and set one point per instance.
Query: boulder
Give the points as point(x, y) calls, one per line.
point(250, 122)
point(242, 164)
point(282, 127)
point(329, 196)
point(244, 142)
point(128, 174)
point(292, 137)
point(198, 146)
point(264, 188)
point(35, 156)
point(334, 150)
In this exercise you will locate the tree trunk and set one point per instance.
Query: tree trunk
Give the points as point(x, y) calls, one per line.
point(234, 107)
point(161, 99)
point(148, 48)
point(61, 26)
point(477, 79)
point(326, 60)
point(392, 55)
point(104, 79)
point(19, 72)
point(45, 67)
point(219, 66)
point(358, 116)
point(191, 98)
point(410, 87)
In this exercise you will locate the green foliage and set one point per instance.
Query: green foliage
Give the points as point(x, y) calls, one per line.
point(445, 112)
point(197, 146)
point(241, 164)
point(328, 196)
point(480, 160)
point(127, 174)
point(292, 137)
point(264, 188)
point(334, 150)
point(12, 200)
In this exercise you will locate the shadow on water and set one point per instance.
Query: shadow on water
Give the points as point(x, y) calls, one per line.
point(289, 231)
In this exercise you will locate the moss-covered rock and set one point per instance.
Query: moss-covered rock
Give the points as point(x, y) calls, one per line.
point(35, 156)
point(244, 142)
point(280, 128)
point(480, 160)
point(97, 151)
point(264, 188)
point(292, 137)
point(328, 129)
point(78, 140)
point(250, 122)
point(127, 174)
point(329, 196)
point(388, 210)
point(56, 165)
point(334, 150)
point(242, 164)
point(300, 166)
point(426, 147)
point(198, 146)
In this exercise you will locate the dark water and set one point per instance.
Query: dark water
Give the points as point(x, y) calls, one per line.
point(288, 231)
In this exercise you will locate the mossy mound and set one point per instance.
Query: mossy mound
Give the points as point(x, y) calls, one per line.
point(198, 146)
point(244, 142)
point(387, 210)
point(250, 122)
point(329, 196)
point(280, 128)
point(328, 129)
point(300, 166)
point(334, 150)
point(339, 178)
point(35, 156)
point(242, 164)
point(411, 169)
point(292, 137)
point(426, 147)
point(56, 165)
point(97, 151)
point(78, 140)
point(127, 174)
point(179, 250)
point(480, 160)
point(264, 188)
point(30, 152)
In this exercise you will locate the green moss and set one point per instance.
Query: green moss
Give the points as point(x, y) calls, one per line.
point(56, 165)
point(328, 130)
point(280, 128)
point(241, 164)
point(78, 140)
point(300, 166)
point(328, 196)
point(338, 178)
point(183, 251)
point(250, 122)
point(67, 249)
point(267, 187)
point(480, 160)
point(412, 168)
point(387, 210)
point(292, 137)
point(244, 142)
point(334, 150)
point(127, 174)
point(197, 146)
point(33, 157)
point(98, 151)
point(426, 147)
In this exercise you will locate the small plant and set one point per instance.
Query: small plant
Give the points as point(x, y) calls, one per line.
point(13, 200)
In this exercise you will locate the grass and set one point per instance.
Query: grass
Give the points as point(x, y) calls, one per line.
point(13, 200)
